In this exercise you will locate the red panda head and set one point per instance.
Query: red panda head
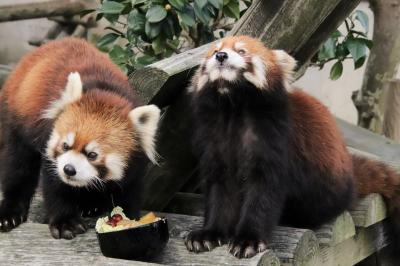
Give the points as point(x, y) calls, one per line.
point(242, 58)
point(95, 133)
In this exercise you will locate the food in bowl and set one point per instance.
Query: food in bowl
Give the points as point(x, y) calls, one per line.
point(123, 238)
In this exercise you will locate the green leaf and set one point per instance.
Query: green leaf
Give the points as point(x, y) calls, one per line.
point(111, 17)
point(136, 21)
point(216, 3)
point(158, 45)
point(85, 12)
point(200, 3)
point(368, 43)
point(201, 14)
point(186, 19)
point(178, 4)
point(107, 39)
point(152, 30)
point(156, 14)
point(137, 2)
point(336, 70)
point(360, 62)
point(117, 55)
point(363, 19)
point(111, 7)
point(356, 47)
point(232, 9)
point(336, 34)
point(145, 60)
point(328, 50)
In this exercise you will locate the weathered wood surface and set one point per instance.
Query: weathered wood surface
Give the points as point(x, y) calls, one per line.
point(353, 250)
point(367, 141)
point(292, 246)
point(369, 210)
point(32, 244)
point(44, 8)
point(337, 231)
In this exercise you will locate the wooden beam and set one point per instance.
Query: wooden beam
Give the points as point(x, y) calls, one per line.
point(44, 8)
point(369, 211)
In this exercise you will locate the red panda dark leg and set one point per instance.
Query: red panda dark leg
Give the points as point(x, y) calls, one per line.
point(260, 212)
point(62, 205)
point(217, 220)
point(19, 175)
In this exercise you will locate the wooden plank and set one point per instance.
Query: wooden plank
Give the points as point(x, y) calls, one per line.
point(44, 8)
point(359, 138)
point(337, 231)
point(369, 210)
point(31, 244)
point(353, 250)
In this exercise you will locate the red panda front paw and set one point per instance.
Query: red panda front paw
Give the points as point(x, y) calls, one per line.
point(67, 228)
point(243, 247)
point(11, 216)
point(203, 240)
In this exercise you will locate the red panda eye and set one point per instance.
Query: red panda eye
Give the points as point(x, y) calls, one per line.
point(241, 52)
point(65, 147)
point(215, 51)
point(92, 156)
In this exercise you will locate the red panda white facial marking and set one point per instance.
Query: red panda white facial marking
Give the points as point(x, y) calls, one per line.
point(239, 58)
point(94, 135)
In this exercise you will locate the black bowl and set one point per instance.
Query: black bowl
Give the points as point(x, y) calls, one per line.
point(138, 243)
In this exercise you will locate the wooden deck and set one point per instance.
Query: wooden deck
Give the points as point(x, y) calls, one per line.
point(352, 237)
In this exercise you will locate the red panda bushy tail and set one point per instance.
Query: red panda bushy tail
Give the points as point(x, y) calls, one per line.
point(376, 177)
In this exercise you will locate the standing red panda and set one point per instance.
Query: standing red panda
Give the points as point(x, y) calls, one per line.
point(69, 113)
point(268, 155)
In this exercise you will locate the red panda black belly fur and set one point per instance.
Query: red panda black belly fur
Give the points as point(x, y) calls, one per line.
point(69, 113)
point(268, 155)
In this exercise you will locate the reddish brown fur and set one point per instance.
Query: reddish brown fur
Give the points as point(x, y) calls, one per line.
point(253, 47)
point(316, 134)
point(42, 68)
point(106, 121)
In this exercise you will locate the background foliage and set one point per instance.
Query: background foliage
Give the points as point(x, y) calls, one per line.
point(144, 31)
point(339, 47)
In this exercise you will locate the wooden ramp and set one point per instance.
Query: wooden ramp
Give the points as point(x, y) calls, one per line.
point(352, 237)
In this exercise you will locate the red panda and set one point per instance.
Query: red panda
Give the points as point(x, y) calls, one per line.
point(68, 113)
point(270, 155)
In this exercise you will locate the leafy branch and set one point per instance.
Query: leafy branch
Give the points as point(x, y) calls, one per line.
point(339, 47)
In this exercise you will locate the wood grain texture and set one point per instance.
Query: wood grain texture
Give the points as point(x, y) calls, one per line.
point(44, 8)
point(369, 211)
point(337, 231)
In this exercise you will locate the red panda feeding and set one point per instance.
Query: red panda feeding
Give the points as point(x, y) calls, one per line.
point(69, 113)
point(270, 156)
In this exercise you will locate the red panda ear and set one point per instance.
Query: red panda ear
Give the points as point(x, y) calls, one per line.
point(286, 63)
point(72, 93)
point(145, 121)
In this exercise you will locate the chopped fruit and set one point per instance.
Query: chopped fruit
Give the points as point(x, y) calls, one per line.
point(119, 221)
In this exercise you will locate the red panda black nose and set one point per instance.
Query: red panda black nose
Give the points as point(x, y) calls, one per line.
point(69, 170)
point(221, 56)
